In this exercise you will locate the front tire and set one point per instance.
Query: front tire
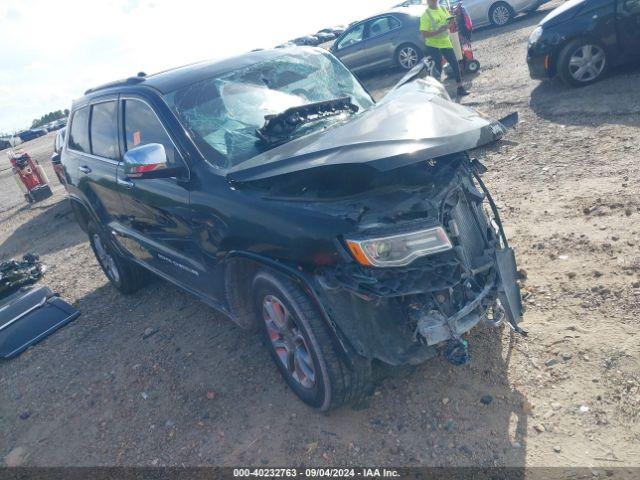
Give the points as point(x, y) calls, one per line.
point(408, 56)
point(582, 62)
point(501, 13)
point(302, 348)
point(126, 276)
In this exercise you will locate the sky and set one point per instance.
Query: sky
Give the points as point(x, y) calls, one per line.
point(51, 51)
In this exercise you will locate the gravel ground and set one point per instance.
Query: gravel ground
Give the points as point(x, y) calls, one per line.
point(160, 379)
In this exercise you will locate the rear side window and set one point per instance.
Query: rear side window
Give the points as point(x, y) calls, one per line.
point(79, 131)
point(380, 26)
point(141, 126)
point(104, 130)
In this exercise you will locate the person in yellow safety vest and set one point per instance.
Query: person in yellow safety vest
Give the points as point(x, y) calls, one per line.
point(434, 26)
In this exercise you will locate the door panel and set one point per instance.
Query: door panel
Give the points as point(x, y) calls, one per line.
point(350, 48)
point(155, 221)
point(91, 177)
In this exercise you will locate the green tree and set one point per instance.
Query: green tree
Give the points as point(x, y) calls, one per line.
point(49, 117)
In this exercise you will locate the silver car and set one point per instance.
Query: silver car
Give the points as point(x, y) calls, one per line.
point(487, 12)
point(385, 40)
point(498, 12)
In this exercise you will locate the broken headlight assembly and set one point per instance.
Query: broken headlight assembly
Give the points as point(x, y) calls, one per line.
point(399, 250)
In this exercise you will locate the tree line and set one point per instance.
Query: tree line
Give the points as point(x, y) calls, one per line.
point(50, 117)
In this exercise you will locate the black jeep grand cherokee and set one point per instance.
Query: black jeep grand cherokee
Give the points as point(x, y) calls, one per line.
point(273, 187)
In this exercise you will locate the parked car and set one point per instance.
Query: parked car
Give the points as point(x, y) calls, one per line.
point(382, 41)
point(272, 187)
point(325, 36)
point(488, 12)
point(582, 39)
point(499, 13)
point(308, 40)
point(56, 157)
point(56, 125)
point(28, 135)
point(4, 144)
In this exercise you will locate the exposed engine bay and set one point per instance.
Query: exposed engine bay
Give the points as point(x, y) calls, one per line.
point(398, 314)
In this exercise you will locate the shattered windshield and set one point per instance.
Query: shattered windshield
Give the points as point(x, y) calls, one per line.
point(224, 113)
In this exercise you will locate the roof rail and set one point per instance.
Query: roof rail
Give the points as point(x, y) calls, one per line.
point(119, 83)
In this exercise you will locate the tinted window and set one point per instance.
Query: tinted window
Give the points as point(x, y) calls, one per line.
point(104, 129)
point(141, 126)
point(79, 133)
point(352, 36)
point(380, 26)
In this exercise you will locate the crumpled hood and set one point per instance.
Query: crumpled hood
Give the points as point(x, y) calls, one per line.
point(415, 121)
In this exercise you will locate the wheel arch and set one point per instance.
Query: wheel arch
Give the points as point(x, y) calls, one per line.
point(82, 212)
point(240, 269)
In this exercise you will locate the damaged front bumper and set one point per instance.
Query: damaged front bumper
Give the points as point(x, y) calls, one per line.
point(402, 315)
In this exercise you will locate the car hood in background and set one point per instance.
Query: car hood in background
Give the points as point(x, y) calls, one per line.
point(416, 121)
point(564, 12)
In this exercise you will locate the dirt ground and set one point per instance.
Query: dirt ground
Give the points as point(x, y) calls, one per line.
point(160, 379)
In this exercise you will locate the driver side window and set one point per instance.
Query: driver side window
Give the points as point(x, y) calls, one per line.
point(141, 126)
point(352, 37)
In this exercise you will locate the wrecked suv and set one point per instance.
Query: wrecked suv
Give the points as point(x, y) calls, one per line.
point(272, 187)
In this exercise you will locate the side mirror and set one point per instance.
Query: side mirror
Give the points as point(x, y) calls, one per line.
point(149, 161)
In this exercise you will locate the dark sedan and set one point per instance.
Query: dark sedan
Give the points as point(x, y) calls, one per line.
point(582, 39)
point(386, 40)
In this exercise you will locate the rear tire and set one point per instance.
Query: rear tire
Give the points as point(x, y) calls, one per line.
point(408, 56)
point(123, 274)
point(302, 348)
point(580, 53)
point(501, 13)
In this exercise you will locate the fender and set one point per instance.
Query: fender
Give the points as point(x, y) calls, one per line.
point(301, 279)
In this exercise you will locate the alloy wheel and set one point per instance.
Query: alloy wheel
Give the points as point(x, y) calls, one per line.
point(106, 259)
point(288, 342)
point(587, 63)
point(408, 58)
point(501, 15)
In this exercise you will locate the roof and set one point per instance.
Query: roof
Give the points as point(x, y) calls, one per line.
point(176, 78)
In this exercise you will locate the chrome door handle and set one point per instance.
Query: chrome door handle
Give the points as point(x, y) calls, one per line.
point(126, 183)
point(84, 169)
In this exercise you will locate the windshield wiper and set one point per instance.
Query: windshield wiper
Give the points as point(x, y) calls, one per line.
point(278, 128)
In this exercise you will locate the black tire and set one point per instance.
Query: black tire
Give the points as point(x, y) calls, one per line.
point(334, 383)
point(472, 66)
point(575, 47)
point(123, 274)
point(405, 52)
point(501, 14)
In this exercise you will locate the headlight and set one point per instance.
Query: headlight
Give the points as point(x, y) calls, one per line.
point(399, 250)
point(535, 35)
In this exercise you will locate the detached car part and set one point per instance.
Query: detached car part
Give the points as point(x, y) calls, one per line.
point(30, 315)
